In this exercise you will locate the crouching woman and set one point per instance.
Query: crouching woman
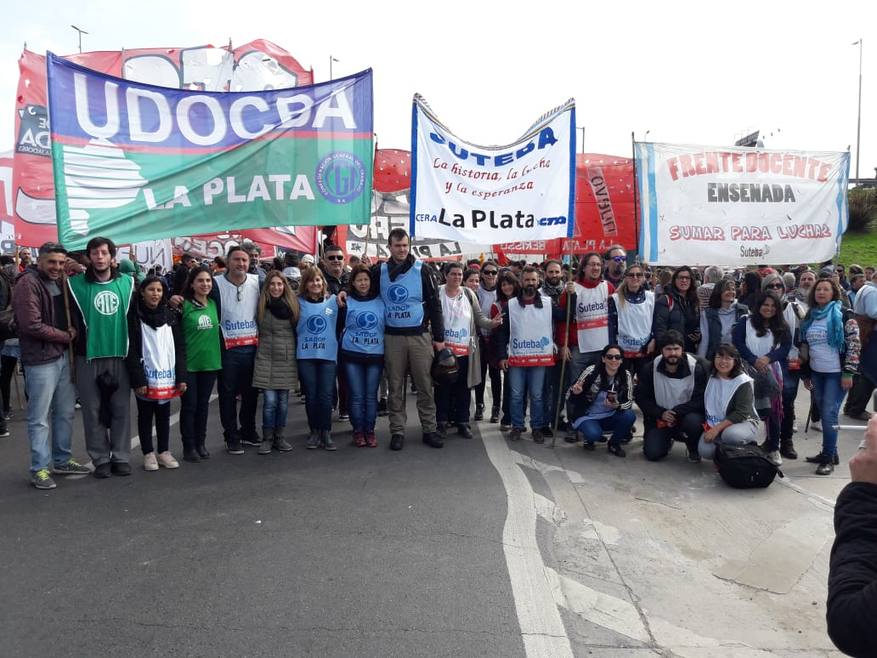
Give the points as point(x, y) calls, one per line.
point(731, 418)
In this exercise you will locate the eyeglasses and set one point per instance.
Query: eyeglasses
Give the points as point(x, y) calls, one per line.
point(334, 257)
point(776, 286)
point(619, 259)
point(635, 275)
point(683, 278)
point(489, 272)
point(613, 357)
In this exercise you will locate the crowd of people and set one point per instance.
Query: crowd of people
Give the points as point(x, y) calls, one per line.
point(709, 355)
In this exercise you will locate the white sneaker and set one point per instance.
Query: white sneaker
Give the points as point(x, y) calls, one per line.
point(149, 462)
point(816, 427)
point(166, 460)
point(774, 456)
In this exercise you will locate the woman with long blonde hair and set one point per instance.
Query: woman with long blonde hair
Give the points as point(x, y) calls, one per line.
point(276, 371)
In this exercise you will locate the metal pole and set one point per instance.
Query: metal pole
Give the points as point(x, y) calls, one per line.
point(81, 32)
point(331, 59)
point(582, 128)
point(636, 214)
point(859, 119)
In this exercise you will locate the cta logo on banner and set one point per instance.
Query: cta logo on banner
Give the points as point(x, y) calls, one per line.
point(136, 162)
point(493, 195)
point(702, 205)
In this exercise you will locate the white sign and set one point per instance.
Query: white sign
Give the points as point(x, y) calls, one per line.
point(704, 205)
point(493, 194)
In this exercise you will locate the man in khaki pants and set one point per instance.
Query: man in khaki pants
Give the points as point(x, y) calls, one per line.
point(410, 294)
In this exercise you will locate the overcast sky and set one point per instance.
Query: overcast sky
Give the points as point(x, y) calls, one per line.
point(687, 72)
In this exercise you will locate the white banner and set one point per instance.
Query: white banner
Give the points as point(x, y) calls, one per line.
point(704, 205)
point(493, 194)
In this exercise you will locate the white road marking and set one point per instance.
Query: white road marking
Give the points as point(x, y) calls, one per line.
point(542, 628)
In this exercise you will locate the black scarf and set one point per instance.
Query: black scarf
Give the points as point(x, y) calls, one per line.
point(552, 290)
point(279, 308)
point(154, 317)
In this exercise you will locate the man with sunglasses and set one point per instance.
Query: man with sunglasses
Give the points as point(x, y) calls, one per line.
point(552, 287)
point(616, 264)
point(332, 267)
point(486, 297)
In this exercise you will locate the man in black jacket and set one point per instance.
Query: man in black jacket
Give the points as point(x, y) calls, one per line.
point(670, 393)
point(852, 575)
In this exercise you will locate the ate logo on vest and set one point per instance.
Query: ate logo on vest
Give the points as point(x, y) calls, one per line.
point(205, 323)
point(316, 324)
point(397, 294)
point(107, 302)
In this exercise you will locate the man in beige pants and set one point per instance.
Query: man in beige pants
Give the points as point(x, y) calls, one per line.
point(410, 293)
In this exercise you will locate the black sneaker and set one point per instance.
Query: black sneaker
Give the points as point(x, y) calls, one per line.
point(694, 457)
point(464, 431)
point(616, 449)
point(102, 471)
point(441, 428)
point(589, 446)
point(250, 440)
point(42, 480)
point(820, 459)
point(825, 468)
point(494, 416)
point(382, 407)
point(479, 412)
point(4, 431)
point(397, 441)
point(72, 467)
point(121, 469)
point(538, 436)
point(433, 440)
point(547, 432)
point(515, 434)
point(234, 447)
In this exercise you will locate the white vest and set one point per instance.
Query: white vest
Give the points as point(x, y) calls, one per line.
point(634, 324)
point(718, 396)
point(457, 314)
point(671, 392)
point(758, 345)
point(530, 340)
point(238, 320)
point(592, 317)
point(159, 362)
point(794, 322)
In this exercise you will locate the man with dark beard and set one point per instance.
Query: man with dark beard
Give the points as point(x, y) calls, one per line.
point(486, 297)
point(616, 264)
point(670, 394)
point(552, 286)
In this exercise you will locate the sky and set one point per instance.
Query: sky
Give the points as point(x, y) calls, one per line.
point(676, 72)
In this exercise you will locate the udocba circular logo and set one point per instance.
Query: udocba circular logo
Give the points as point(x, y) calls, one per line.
point(106, 302)
point(340, 177)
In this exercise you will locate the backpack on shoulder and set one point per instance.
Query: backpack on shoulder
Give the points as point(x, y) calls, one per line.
point(745, 467)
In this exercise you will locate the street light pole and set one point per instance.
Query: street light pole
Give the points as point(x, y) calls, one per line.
point(81, 32)
point(859, 119)
point(582, 128)
point(331, 59)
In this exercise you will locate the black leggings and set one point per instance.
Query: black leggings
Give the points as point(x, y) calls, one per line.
point(146, 409)
point(7, 372)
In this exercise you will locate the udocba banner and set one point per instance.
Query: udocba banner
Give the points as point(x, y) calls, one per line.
point(703, 205)
point(496, 194)
point(136, 162)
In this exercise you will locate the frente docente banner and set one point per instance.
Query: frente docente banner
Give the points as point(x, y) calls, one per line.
point(136, 162)
point(706, 205)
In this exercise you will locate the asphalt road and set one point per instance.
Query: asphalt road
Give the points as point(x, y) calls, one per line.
point(361, 552)
point(483, 548)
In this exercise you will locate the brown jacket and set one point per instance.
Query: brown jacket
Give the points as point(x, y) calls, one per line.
point(41, 342)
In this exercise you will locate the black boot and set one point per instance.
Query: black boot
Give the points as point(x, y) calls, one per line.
point(787, 449)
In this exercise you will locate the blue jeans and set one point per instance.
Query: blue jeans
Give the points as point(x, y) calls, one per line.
point(790, 392)
point(532, 381)
point(363, 380)
point(551, 391)
point(828, 395)
point(618, 423)
point(235, 378)
point(318, 377)
point(275, 404)
point(51, 397)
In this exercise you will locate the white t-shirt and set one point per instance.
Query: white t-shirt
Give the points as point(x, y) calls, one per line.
point(823, 357)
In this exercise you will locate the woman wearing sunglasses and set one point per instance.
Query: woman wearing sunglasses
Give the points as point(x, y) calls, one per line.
point(601, 400)
point(631, 309)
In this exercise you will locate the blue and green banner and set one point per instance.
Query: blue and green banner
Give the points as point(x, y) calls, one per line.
point(137, 162)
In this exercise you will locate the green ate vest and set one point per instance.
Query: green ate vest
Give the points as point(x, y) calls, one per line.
point(201, 332)
point(104, 308)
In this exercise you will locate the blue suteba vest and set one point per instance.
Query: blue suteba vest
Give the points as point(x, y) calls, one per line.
point(403, 297)
point(364, 326)
point(316, 329)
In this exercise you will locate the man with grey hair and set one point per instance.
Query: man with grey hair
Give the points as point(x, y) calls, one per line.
point(711, 276)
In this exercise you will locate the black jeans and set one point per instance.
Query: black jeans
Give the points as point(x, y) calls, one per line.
point(657, 441)
point(453, 400)
point(195, 405)
point(236, 378)
point(858, 397)
point(146, 411)
point(7, 372)
point(495, 379)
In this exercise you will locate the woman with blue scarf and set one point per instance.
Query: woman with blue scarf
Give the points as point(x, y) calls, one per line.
point(832, 359)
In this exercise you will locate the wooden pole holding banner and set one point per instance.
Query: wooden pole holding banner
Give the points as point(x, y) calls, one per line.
point(66, 294)
point(561, 394)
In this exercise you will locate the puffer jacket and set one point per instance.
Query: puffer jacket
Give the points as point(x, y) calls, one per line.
point(276, 368)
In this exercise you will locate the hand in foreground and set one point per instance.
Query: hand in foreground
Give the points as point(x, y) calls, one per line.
point(863, 466)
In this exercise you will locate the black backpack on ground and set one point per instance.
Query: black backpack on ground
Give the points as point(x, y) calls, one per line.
point(745, 467)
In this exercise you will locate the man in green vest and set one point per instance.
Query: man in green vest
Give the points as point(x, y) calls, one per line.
point(102, 299)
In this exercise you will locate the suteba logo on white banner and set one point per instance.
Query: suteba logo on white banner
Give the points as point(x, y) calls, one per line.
point(477, 218)
point(546, 138)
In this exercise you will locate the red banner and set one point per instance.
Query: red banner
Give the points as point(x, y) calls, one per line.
point(258, 64)
point(605, 213)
